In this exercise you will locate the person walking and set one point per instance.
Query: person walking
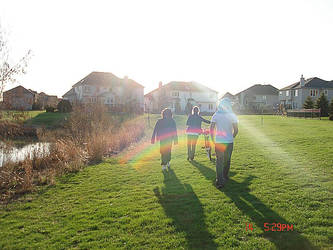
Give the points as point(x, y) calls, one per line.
point(165, 131)
point(193, 130)
point(225, 123)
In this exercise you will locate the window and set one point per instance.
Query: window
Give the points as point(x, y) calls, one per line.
point(313, 92)
point(210, 106)
point(176, 94)
point(280, 93)
point(287, 93)
point(296, 92)
point(325, 92)
point(264, 97)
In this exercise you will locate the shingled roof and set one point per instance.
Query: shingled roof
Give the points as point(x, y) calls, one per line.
point(259, 89)
point(184, 86)
point(105, 79)
point(313, 82)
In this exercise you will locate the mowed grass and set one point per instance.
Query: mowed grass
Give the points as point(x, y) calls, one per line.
point(8, 115)
point(48, 119)
point(281, 172)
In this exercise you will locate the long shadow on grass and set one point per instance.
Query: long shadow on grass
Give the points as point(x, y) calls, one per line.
point(182, 205)
point(258, 211)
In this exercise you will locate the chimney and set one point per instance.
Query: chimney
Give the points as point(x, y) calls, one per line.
point(160, 85)
point(302, 81)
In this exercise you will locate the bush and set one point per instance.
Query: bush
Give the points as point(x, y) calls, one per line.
point(64, 106)
point(331, 117)
point(49, 109)
point(322, 104)
point(36, 106)
point(308, 104)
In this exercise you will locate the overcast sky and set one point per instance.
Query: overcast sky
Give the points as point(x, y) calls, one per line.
point(225, 45)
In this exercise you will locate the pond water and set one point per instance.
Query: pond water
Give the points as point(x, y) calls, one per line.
point(16, 154)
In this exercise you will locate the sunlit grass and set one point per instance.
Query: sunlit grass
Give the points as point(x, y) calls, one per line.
point(281, 172)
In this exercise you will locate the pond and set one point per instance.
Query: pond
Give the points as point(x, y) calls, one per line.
point(16, 154)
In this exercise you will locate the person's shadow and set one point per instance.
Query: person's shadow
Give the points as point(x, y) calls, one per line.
point(259, 213)
point(182, 205)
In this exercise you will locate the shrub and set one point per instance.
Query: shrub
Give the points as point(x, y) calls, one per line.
point(64, 106)
point(308, 104)
point(49, 109)
point(322, 104)
point(36, 106)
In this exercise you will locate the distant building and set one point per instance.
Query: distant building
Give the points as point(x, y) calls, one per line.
point(47, 100)
point(180, 97)
point(258, 98)
point(105, 88)
point(294, 95)
point(19, 98)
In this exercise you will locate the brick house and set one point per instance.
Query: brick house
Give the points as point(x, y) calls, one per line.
point(19, 98)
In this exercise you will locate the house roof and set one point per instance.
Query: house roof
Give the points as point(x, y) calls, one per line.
point(260, 89)
point(313, 82)
point(228, 94)
point(105, 79)
point(183, 86)
point(20, 86)
point(69, 93)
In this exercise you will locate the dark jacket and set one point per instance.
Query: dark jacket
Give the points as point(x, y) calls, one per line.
point(165, 129)
point(194, 123)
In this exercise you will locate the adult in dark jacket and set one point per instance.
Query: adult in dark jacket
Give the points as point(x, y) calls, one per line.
point(165, 131)
point(193, 130)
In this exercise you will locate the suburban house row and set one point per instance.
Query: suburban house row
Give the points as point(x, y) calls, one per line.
point(125, 94)
point(20, 98)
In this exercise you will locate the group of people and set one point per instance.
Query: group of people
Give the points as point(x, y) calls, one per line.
point(223, 130)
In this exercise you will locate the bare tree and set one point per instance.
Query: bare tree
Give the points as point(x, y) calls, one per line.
point(9, 71)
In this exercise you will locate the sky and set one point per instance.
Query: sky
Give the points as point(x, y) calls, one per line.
point(225, 45)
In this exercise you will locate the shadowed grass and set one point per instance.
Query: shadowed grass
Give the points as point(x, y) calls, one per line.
point(131, 204)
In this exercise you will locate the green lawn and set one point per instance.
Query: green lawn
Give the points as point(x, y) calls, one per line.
point(47, 119)
point(281, 172)
point(8, 114)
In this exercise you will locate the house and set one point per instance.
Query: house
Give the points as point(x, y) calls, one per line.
point(105, 88)
point(180, 97)
point(258, 98)
point(294, 95)
point(45, 100)
point(19, 98)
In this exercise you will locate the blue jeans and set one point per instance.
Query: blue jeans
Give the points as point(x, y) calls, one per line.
point(223, 158)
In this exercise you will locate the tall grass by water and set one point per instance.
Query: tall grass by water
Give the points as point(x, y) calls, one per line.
point(89, 134)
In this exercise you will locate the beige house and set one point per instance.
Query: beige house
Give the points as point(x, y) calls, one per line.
point(117, 94)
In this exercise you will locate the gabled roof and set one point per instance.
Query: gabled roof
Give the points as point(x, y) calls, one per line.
point(259, 89)
point(105, 79)
point(313, 82)
point(20, 86)
point(183, 86)
point(69, 93)
point(228, 94)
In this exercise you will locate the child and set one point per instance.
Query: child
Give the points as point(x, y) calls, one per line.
point(165, 131)
point(193, 130)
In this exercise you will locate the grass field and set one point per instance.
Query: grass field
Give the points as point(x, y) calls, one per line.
point(47, 119)
point(281, 172)
point(8, 115)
